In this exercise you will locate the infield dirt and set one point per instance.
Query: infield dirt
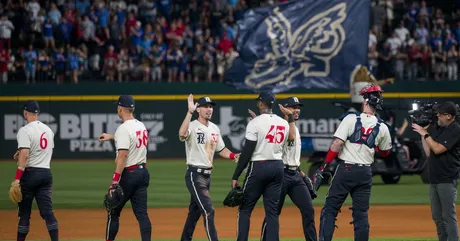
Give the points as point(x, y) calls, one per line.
point(385, 221)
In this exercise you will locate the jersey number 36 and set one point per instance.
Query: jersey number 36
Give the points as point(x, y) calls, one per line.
point(142, 140)
point(275, 134)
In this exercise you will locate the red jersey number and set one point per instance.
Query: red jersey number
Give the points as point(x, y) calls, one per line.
point(43, 141)
point(275, 134)
point(142, 140)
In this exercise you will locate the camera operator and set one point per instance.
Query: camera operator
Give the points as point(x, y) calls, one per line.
point(441, 142)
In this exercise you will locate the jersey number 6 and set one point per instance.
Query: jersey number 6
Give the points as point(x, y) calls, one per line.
point(143, 140)
point(275, 135)
point(43, 141)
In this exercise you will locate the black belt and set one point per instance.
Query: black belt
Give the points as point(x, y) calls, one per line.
point(203, 170)
point(353, 164)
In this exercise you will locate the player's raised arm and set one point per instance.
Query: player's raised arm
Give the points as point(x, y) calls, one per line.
point(290, 119)
point(184, 130)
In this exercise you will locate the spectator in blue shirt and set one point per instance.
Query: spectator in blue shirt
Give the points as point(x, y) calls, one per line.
point(146, 44)
point(48, 34)
point(65, 29)
point(59, 65)
point(184, 66)
point(73, 63)
point(54, 14)
point(102, 15)
point(136, 35)
point(82, 6)
point(30, 57)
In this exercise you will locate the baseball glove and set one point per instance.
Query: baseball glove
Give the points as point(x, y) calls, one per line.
point(114, 198)
point(15, 193)
point(234, 197)
point(309, 184)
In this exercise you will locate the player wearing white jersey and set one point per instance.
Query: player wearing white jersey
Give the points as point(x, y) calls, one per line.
point(202, 139)
point(295, 183)
point(131, 139)
point(356, 139)
point(266, 136)
point(35, 149)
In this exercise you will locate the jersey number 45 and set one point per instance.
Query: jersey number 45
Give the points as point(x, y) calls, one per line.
point(275, 134)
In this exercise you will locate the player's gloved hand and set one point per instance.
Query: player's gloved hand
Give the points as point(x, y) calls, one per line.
point(318, 178)
point(309, 184)
point(15, 193)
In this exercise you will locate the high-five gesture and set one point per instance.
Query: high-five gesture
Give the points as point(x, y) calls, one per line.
point(191, 106)
point(285, 111)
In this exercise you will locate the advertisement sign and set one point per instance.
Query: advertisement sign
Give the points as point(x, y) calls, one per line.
point(77, 125)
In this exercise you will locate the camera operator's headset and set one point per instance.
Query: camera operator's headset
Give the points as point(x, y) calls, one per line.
point(372, 93)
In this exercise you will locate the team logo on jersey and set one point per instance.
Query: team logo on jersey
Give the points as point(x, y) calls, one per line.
point(302, 52)
point(200, 139)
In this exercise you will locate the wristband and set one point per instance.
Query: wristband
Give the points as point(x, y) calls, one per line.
point(290, 118)
point(330, 156)
point(19, 173)
point(116, 177)
point(426, 136)
point(232, 155)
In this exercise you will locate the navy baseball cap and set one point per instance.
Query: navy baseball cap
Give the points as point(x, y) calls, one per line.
point(266, 97)
point(292, 101)
point(204, 101)
point(31, 106)
point(125, 101)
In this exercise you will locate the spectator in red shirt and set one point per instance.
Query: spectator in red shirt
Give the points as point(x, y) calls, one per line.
point(225, 44)
point(130, 23)
point(4, 59)
point(110, 64)
point(415, 56)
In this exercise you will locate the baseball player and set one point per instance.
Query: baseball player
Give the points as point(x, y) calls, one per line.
point(35, 149)
point(266, 136)
point(131, 174)
point(357, 138)
point(202, 139)
point(293, 184)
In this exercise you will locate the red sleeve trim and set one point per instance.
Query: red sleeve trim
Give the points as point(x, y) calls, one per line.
point(382, 153)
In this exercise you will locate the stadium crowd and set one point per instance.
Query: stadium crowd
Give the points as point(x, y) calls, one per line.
point(193, 40)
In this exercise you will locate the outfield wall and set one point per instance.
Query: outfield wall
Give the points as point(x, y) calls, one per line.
point(79, 113)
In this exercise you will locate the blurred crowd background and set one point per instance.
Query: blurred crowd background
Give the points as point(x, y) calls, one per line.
point(193, 40)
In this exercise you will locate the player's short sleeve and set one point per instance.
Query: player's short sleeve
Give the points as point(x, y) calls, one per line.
point(23, 139)
point(343, 131)
point(252, 131)
point(189, 131)
point(122, 139)
point(220, 143)
point(286, 133)
point(384, 143)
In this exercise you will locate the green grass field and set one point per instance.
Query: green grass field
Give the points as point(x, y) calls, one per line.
point(83, 185)
point(290, 239)
point(79, 185)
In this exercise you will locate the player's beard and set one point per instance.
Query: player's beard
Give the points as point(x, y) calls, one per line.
point(296, 115)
